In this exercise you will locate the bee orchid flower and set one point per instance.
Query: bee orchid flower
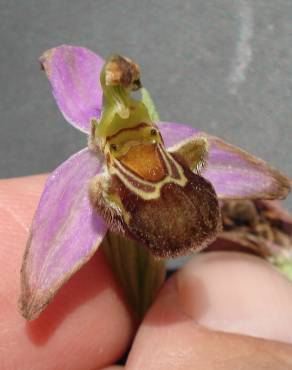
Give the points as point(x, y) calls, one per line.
point(155, 183)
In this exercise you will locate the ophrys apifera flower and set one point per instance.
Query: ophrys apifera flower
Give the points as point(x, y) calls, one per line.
point(157, 183)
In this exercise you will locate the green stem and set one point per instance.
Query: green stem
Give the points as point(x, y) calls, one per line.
point(139, 274)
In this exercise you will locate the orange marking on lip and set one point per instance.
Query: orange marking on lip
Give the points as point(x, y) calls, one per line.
point(145, 161)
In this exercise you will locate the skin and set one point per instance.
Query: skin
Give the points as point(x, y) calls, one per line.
point(221, 311)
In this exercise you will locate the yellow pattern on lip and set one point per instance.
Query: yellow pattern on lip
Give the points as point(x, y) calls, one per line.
point(145, 161)
point(119, 169)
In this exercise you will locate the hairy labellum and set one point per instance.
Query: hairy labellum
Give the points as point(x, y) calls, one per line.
point(148, 193)
point(151, 194)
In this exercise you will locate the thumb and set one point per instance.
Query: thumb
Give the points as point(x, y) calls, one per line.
point(212, 314)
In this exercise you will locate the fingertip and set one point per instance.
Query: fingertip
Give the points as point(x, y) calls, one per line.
point(237, 293)
point(87, 324)
point(19, 198)
point(27, 182)
point(171, 335)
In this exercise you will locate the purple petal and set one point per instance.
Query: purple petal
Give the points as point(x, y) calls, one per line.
point(65, 232)
point(74, 76)
point(175, 133)
point(234, 173)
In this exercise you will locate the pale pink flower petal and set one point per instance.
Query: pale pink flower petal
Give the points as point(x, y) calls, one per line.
point(65, 232)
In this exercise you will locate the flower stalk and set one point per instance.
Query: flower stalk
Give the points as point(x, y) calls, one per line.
point(138, 273)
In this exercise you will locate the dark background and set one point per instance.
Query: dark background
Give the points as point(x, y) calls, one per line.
point(221, 66)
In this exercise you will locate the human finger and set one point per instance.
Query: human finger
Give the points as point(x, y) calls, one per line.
point(221, 311)
point(86, 326)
